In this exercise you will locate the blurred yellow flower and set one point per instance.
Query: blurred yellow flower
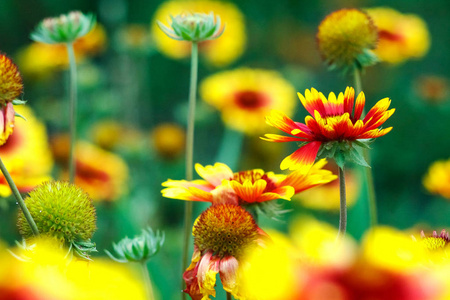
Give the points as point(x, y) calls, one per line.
point(401, 36)
point(102, 174)
point(168, 139)
point(245, 96)
point(437, 179)
point(326, 197)
point(48, 274)
point(111, 134)
point(345, 39)
point(26, 154)
point(388, 266)
point(219, 52)
point(40, 59)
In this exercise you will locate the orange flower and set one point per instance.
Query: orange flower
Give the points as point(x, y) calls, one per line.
point(333, 130)
point(221, 185)
point(222, 234)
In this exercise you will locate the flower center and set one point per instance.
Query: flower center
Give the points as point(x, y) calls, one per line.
point(227, 229)
point(250, 99)
point(254, 175)
point(434, 243)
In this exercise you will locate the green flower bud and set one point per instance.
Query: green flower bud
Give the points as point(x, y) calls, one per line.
point(63, 29)
point(193, 27)
point(139, 249)
point(64, 212)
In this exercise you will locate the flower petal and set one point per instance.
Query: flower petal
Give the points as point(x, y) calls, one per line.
point(228, 272)
point(303, 158)
point(207, 271)
point(247, 191)
point(214, 174)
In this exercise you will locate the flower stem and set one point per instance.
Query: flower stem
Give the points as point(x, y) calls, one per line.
point(19, 199)
point(343, 204)
point(190, 154)
point(371, 196)
point(73, 110)
point(228, 296)
point(147, 282)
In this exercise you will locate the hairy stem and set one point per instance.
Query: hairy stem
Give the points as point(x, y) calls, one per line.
point(73, 110)
point(19, 199)
point(190, 153)
point(343, 204)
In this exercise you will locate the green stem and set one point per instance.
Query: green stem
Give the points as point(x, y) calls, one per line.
point(147, 282)
point(371, 196)
point(73, 110)
point(343, 204)
point(190, 154)
point(19, 199)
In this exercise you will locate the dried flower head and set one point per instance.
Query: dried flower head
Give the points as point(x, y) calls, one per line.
point(64, 29)
point(193, 27)
point(63, 211)
point(345, 39)
point(138, 249)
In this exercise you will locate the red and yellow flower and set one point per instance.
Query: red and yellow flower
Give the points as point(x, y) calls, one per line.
point(244, 96)
point(334, 126)
point(401, 36)
point(221, 185)
point(26, 154)
point(222, 235)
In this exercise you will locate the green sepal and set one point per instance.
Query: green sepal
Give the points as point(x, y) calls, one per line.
point(19, 102)
point(366, 58)
point(340, 158)
point(81, 249)
point(357, 157)
point(270, 209)
point(16, 114)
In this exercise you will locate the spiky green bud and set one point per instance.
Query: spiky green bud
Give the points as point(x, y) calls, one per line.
point(139, 249)
point(193, 27)
point(63, 29)
point(62, 211)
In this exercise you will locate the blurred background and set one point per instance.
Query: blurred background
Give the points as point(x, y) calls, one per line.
point(133, 86)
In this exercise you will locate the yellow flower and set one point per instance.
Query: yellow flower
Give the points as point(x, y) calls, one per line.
point(168, 140)
point(48, 274)
point(219, 52)
point(437, 178)
point(26, 154)
point(345, 39)
point(245, 96)
point(326, 197)
point(401, 36)
point(54, 56)
point(110, 134)
point(10, 80)
point(102, 174)
point(133, 38)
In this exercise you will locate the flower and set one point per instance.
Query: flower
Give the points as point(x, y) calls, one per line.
point(50, 274)
point(386, 266)
point(326, 197)
point(334, 130)
point(11, 85)
point(168, 139)
point(244, 96)
point(133, 38)
point(26, 154)
point(193, 27)
point(63, 211)
point(63, 29)
point(221, 185)
point(222, 234)
point(437, 177)
point(102, 174)
point(139, 249)
point(54, 56)
point(401, 36)
point(219, 52)
point(113, 135)
point(345, 39)
point(7, 119)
